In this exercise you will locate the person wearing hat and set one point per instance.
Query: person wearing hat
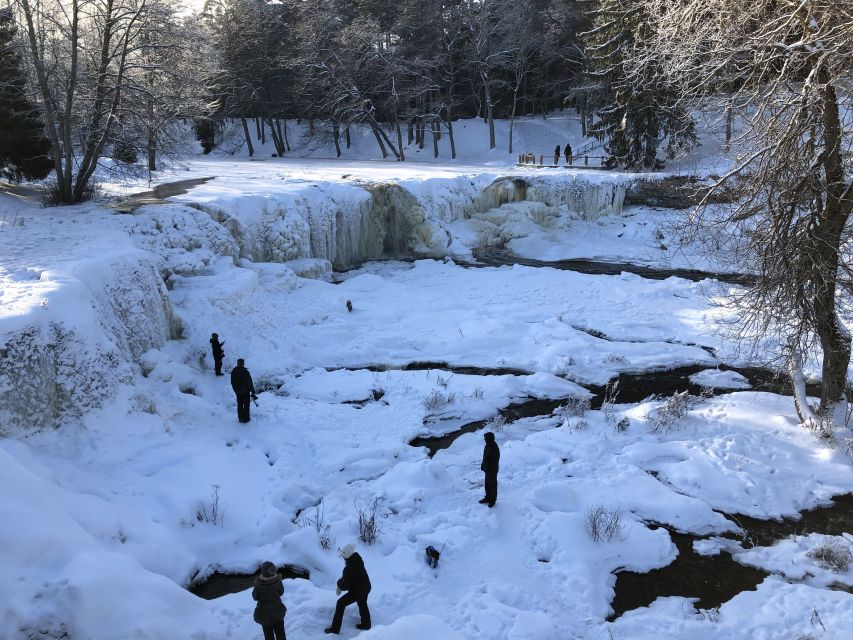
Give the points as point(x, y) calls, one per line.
point(244, 389)
point(270, 610)
point(489, 466)
point(356, 583)
point(218, 353)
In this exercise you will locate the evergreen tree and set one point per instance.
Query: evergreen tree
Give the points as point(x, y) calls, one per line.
point(637, 111)
point(24, 150)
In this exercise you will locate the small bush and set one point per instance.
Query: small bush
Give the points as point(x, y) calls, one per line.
point(442, 382)
point(608, 406)
point(211, 512)
point(378, 393)
point(324, 530)
point(575, 406)
point(478, 393)
point(579, 425)
point(667, 416)
point(603, 524)
point(623, 424)
point(496, 423)
point(369, 525)
point(438, 400)
point(833, 555)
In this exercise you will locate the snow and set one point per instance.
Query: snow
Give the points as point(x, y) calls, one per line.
point(106, 507)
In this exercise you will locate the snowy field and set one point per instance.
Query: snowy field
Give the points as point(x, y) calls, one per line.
point(109, 516)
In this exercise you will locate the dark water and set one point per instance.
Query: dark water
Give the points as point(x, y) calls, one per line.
point(222, 584)
point(631, 388)
point(466, 370)
point(495, 257)
point(157, 195)
point(717, 579)
point(525, 409)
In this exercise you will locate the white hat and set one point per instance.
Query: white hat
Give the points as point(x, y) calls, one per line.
point(347, 551)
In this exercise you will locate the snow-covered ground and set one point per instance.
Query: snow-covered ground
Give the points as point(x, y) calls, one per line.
point(107, 512)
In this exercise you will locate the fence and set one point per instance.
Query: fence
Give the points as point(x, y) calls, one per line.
point(576, 160)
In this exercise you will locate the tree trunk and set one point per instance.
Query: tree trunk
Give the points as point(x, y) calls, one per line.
point(280, 136)
point(379, 141)
point(336, 135)
point(346, 133)
point(434, 128)
point(411, 132)
point(402, 156)
point(512, 117)
point(248, 137)
point(729, 118)
point(450, 136)
point(833, 335)
point(489, 114)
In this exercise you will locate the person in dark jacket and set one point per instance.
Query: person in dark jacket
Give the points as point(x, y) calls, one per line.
point(270, 610)
point(218, 353)
point(557, 155)
point(491, 460)
point(244, 388)
point(356, 583)
point(568, 153)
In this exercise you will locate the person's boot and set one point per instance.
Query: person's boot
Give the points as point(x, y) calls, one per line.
point(330, 630)
point(362, 626)
point(484, 501)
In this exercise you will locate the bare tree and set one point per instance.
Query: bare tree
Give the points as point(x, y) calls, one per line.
point(80, 52)
point(790, 61)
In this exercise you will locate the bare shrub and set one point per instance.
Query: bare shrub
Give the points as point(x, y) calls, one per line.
point(438, 400)
point(667, 416)
point(442, 381)
point(833, 555)
point(615, 358)
point(318, 522)
point(211, 512)
point(579, 425)
point(623, 424)
point(369, 524)
point(608, 406)
point(603, 524)
point(574, 406)
point(378, 393)
point(478, 393)
point(496, 423)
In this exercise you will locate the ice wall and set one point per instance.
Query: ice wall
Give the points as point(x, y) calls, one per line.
point(346, 223)
point(68, 356)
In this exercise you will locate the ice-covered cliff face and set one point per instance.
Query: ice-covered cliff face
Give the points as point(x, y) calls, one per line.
point(349, 223)
point(70, 354)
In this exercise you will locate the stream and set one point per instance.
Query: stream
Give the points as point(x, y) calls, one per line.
point(495, 257)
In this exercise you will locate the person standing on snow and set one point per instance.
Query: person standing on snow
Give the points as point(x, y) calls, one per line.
point(270, 610)
point(244, 388)
point(356, 583)
point(489, 466)
point(568, 153)
point(218, 353)
point(557, 155)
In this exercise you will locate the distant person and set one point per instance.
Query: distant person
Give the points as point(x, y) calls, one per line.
point(568, 153)
point(270, 610)
point(218, 353)
point(489, 466)
point(356, 583)
point(244, 388)
point(557, 155)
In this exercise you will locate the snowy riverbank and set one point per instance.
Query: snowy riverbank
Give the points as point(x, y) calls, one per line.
point(112, 497)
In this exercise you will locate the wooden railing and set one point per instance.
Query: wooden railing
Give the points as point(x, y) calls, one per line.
point(577, 160)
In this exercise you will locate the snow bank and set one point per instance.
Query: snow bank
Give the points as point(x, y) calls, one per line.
point(70, 337)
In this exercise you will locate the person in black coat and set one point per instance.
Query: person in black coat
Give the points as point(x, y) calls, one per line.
point(557, 155)
point(270, 610)
point(568, 153)
point(244, 388)
point(356, 583)
point(218, 353)
point(489, 466)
